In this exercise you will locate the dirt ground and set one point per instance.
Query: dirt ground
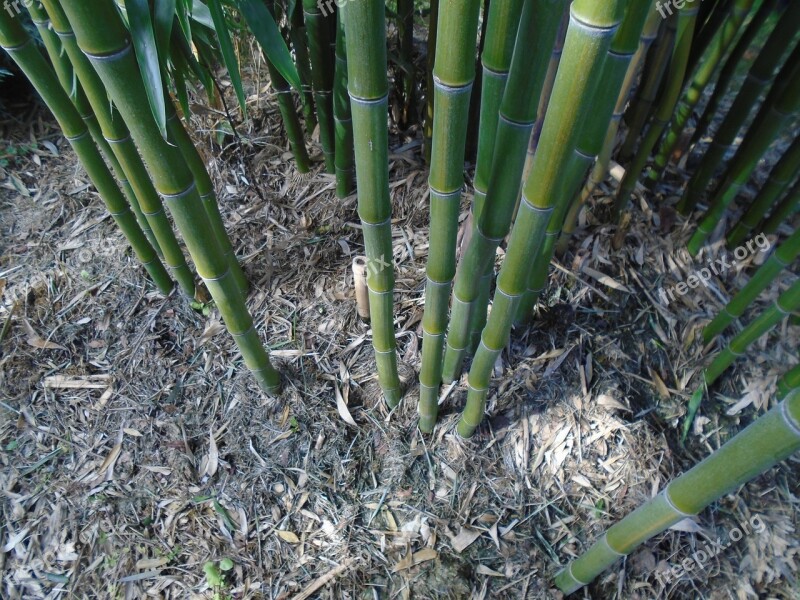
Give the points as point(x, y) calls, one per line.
point(135, 448)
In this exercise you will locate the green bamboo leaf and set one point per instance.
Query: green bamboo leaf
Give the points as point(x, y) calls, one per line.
point(226, 47)
point(201, 14)
point(269, 37)
point(144, 43)
point(163, 18)
point(182, 12)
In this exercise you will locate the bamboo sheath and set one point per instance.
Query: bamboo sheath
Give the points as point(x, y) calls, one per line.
point(539, 22)
point(614, 72)
point(74, 88)
point(655, 68)
point(453, 74)
point(759, 78)
point(783, 256)
point(322, 78)
point(15, 40)
point(117, 136)
point(770, 439)
point(674, 83)
point(368, 88)
point(778, 109)
point(592, 27)
point(785, 209)
point(617, 58)
point(735, 58)
point(711, 60)
point(778, 182)
point(342, 119)
point(291, 120)
point(102, 36)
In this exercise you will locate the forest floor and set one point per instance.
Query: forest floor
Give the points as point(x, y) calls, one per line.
point(135, 448)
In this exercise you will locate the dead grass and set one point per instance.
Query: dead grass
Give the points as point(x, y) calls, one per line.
point(135, 448)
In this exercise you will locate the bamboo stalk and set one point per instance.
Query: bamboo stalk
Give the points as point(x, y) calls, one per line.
point(641, 107)
point(776, 112)
point(732, 63)
point(405, 39)
point(783, 256)
point(102, 36)
point(492, 216)
point(778, 182)
point(759, 78)
point(767, 441)
point(321, 77)
point(787, 303)
point(687, 18)
point(592, 28)
point(453, 74)
point(365, 37)
point(342, 118)
point(15, 40)
point(785, 209)
point(291, 121)
point(702, 77)
point(427, 126)
point(788, 382)
point(298, 35)
point(600, 170)
point(117, 136)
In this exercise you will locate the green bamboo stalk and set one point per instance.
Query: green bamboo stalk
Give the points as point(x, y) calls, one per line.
point(787, 303)
point(600, 170)
point(589, 144)
point(205, 187)
point(492, 218)
point(299, 39)
point(427, 126)
point(785, 209)
point(498, 38)
point(74, 88)
point(702, 77)
point(764, 443)
point(759, 20)
point(321, 78)
point(592, 28)
point(365, 38)
point(343, 121)
point(641, 107)
point(453, 74)
point(775, 114)
point(405, 39)
point(15, 40)
point(779, 180)
point(759, 78)
point(102, 36)
point(788, 382)
point(473, 120)
point(783, 256)
point(291, 121)
point(687, 18)
point(707, 27)
point(134, 175)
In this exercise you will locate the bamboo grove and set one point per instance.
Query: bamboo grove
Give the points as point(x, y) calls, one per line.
point(559, 95)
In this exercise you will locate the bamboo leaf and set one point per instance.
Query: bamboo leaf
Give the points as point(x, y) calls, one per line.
point(262, 24)
point(163, 18)
point(144, 43)
point(201, 14)
point(226, 47)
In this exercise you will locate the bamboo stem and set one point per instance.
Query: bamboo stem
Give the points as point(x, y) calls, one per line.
point(102, 36)
point(15, 40)
point(767, 441)
point(342, 118)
